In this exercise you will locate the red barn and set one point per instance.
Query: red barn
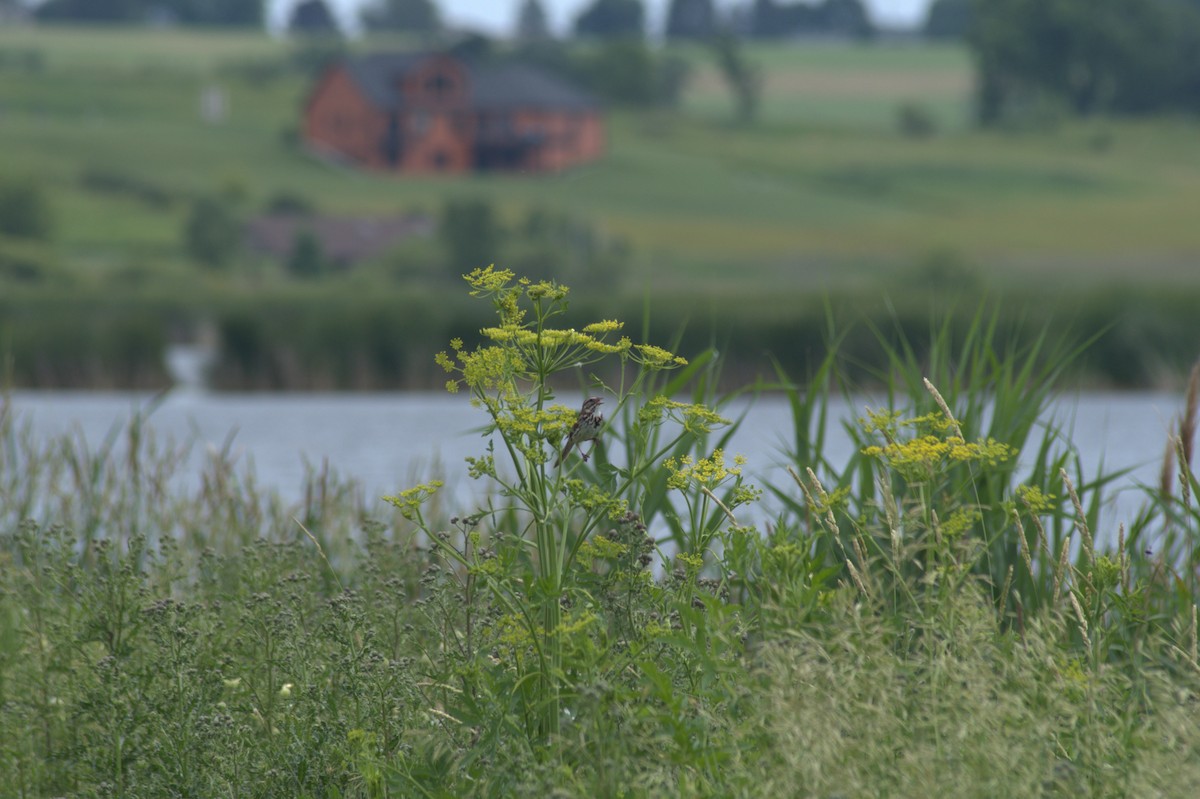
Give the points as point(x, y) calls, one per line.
point(428, 113)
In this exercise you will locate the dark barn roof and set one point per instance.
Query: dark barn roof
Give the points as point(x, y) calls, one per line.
point(491, 85)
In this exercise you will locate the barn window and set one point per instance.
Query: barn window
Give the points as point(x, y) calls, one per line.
point(440, 160)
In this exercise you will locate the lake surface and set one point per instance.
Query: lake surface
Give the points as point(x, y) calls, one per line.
point(388, 442)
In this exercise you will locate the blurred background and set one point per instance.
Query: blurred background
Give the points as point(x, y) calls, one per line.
point(770, 172)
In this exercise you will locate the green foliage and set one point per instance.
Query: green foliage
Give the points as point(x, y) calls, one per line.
point(410, 16)
point(627, 72)
point(71, 342)
point(551, 245)
point(322, 341)
point(532, 25)
point(306, 259)
point(233, 13)
point(212, 232)
point(25, 211)
point(938, 612)
point(771, 19)
point(612, 19)
point(691, 19)
point(312, 17)
point(949, 19)
point(1122, 56)
point(743, 78)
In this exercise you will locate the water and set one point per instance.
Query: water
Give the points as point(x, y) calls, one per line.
point(388, 442)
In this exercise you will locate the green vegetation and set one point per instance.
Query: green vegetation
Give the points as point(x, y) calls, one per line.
point(935, 611)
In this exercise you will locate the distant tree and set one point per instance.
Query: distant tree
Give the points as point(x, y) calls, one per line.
point(25, 211)
point(847, 18)
point(622, 71)
point(532, 24)
point(772, 20)
point(307, 258)
point(948, 19)
point(312, 17)
point(212, 232)
point(691, 19)
point(217, 13)
point(743, 78)
point(612, 19)
point(473, 47)
point(409, 16)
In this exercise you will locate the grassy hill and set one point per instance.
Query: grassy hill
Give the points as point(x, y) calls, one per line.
point(824, 193)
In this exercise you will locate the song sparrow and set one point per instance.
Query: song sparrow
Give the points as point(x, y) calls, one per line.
point(586, 428)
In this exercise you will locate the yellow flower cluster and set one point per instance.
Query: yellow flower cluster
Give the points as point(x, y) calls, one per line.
point(481, 467)
point(603, 326)
point(595, 499)
point(692, 563)
point(696, 419)
point(526, 349)
point(488, 280)
point(1035, 499)
point(544, 290)
point(410, 500)
point(959, 522)
point(883, 421)
point(600, 548)
point(485, 369)
point(653, 357)
point(512, 632)
point(579, 624)
point(931, 451)
point(707, 472)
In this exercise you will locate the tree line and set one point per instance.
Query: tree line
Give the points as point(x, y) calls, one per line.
point(224, 13)
point(686, 19)
point(1079, 57)
point(1031, 57)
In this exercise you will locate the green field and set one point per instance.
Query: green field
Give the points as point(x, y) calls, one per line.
point(823, 191)
point(743, 234)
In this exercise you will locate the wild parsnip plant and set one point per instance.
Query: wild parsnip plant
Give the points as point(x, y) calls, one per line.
point(530, 562)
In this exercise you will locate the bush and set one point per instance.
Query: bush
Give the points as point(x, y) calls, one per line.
point(212, 232)
point(307, 258)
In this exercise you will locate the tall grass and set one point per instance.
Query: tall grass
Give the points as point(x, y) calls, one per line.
point(941, 610)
